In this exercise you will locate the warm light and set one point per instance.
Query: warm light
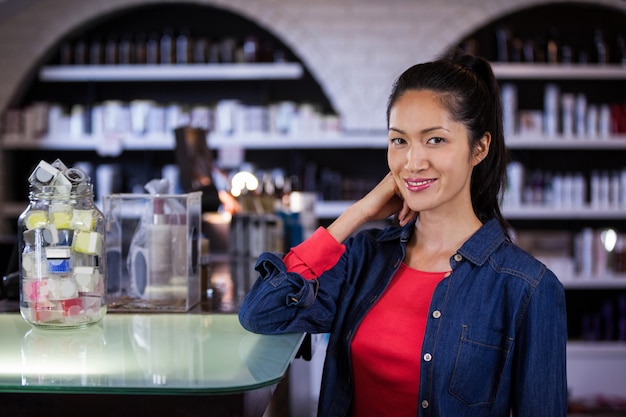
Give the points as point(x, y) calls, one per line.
point(243, 180)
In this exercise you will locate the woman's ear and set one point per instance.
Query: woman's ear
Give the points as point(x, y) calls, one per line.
point(481, 150)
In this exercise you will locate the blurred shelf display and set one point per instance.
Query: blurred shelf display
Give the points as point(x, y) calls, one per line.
point(172, 72)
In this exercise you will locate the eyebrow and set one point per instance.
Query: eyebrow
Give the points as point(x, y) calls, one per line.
point(423, 131)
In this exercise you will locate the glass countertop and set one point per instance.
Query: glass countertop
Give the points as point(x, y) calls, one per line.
point(142, 354)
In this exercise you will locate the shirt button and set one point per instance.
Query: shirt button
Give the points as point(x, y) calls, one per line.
point(425, 404)
point(458, 257)
point(428, 357)
point(436, 314)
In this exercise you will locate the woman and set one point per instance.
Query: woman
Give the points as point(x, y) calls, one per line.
point(440, 315)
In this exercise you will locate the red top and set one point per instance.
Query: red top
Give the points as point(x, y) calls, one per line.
point(387, 344)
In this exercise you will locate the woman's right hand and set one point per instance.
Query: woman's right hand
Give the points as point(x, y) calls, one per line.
point(381, 202)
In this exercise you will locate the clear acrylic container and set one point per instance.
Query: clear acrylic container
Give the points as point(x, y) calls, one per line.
point(153, 251)
point(61, 241)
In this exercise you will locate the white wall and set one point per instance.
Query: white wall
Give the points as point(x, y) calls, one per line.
point(354, 48)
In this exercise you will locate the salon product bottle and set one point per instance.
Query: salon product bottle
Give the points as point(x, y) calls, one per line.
point(200, 51)
point(552, 47)
point(568, 104)
point(167, 47)
point(152, 49)
point(96, 54)
point(614, 193)
point(601, 47)
point(503, 36)
point(183, 48)
point(110, 51)
point(622, 189)
point(580, 115)
point(61, 250)
point(251, 49)
point(551, 109)
point(567, 54)
point(159, 249)
point(140, 49)
point(592, 122)
point(125, 50)
point(80, 52)
point(509, 108)
point(529, 51)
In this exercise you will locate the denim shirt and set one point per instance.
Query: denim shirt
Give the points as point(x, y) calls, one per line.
point(495, 340)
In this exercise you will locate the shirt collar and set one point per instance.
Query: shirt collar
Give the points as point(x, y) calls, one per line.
point(476, 249)
point(483, 243)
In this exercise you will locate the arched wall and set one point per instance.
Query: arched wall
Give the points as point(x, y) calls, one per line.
point(354, 48)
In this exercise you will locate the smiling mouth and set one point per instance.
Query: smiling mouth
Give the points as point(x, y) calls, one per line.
point(417, 185)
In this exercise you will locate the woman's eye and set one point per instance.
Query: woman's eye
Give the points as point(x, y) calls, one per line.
point(397, 141)
point(436, 140)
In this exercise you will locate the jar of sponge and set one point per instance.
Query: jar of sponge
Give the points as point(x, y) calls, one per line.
point(61, 241)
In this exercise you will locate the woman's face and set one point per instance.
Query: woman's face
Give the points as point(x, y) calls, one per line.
point(429, 154)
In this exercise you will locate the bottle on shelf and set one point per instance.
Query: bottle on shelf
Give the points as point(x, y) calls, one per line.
point(184, 47)
point(125, 50)
point(111, 51)
point(601, 47)
point(553, 53)
point(167, 43)
point(96, 51)
point(153, 50)
point(140, 49)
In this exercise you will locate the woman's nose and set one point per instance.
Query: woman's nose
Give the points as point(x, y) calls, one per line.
point(416, 160)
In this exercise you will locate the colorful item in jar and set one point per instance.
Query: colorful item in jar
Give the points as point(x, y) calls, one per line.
point(83, 220)
point(61, 215)
point(87, 242)
point(35, 219)
point(59, 261)
point(61, 279)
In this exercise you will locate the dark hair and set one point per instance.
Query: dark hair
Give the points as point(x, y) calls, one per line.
point(470, 91)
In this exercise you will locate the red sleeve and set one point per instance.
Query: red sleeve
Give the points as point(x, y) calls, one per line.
point(314, 256)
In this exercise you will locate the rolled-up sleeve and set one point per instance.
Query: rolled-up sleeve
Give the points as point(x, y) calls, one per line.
point(316, 255)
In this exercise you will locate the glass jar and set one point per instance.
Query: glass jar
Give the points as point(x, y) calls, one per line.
point(61, 240)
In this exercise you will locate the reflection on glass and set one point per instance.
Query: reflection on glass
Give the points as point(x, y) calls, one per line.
point(64, 357)
point(142, 354)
